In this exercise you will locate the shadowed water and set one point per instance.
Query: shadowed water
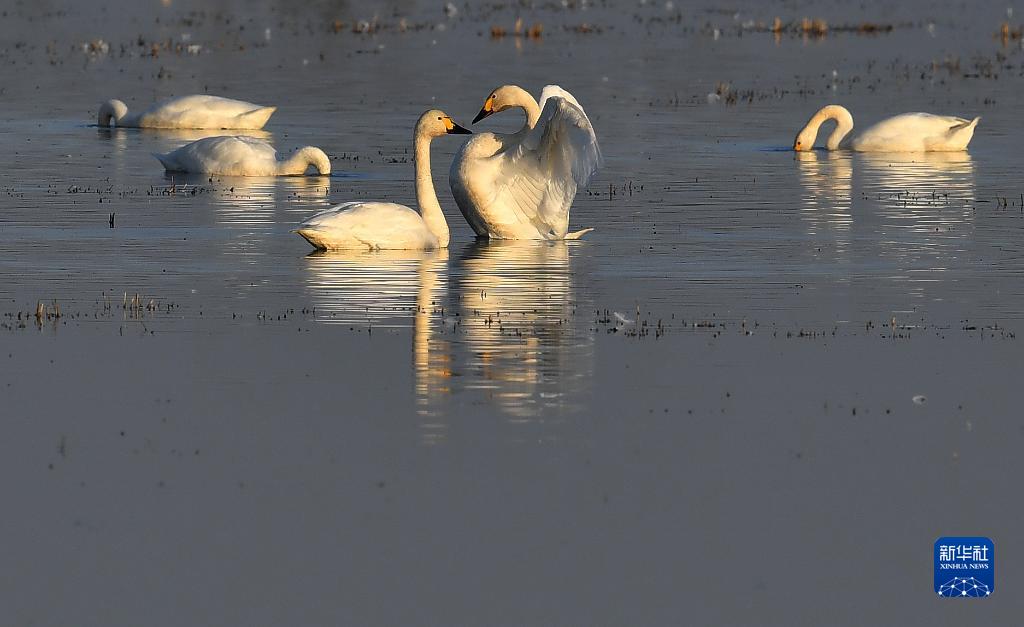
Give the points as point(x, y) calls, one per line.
point(708, 398)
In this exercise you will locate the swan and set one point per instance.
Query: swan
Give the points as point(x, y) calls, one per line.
point(242, 156)
point(521, 185)
point(198, 111)
point(386, 225)
point(909, 132)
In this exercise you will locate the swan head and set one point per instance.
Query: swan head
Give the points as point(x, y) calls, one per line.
point(316, 158)
point(437, 123)
point(844, 124)
point(111, 109)
point(504, 97)
point(805, 139)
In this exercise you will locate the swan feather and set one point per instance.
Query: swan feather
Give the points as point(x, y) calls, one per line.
point(368, 225)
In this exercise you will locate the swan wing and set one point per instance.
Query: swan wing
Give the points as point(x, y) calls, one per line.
point(917, 131)
point(564, 136)
point(202, 111)
point(226, 155)
point(537, 181)
point(371, 225)
point(214, 105)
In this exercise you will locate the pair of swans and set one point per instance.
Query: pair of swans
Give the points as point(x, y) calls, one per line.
point(909, 132)
point(517, 186)
point(226, 155)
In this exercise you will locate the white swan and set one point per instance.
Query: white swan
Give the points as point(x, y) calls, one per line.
point(909, 132)
point(242, 156)
point(521, 186)
point(386, 225)
point(189, 112)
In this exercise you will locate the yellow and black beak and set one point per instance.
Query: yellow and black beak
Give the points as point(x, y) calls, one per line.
point(485, 111)
point(454, 129)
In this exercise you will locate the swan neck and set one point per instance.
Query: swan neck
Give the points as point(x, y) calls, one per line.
point(532, 112)
point(299, 162)
point(426, 197)
point(113, 110)
point(844, 124)
point(528, 104)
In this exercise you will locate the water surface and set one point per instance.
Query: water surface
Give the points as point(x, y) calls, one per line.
point(701, 413)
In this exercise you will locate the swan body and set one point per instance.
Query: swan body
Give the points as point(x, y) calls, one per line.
point(908, 132)
point(521, 185)
point(197, 111)
point(242, 156)
point(386, 225)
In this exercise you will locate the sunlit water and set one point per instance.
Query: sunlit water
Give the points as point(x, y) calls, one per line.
point(707, 398)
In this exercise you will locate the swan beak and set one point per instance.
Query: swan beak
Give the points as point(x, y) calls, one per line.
point(459, 130)
point(483, 114)
point(485, 110)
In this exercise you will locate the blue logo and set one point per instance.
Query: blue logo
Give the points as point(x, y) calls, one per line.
point(965, 566)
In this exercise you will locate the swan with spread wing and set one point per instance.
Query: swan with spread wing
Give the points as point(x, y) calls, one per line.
point(521, 185)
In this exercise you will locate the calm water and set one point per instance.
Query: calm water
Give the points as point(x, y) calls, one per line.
point(700, 414)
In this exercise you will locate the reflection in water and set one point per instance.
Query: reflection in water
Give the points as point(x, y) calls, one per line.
point(827, 182)
point(921, 204)
point(255, 206)
point(912, 207)
point(386, 289)
point(375, 288)
point(168, 139)
point(501, 321)
point(522, 343)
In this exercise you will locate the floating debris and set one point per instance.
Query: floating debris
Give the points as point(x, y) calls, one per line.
point(533, 32)
point(95, 48)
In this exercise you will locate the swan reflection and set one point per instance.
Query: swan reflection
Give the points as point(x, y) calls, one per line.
point(517, 311)
point(253, 207)
point(167, 139)
point(383, 288)
point(920, 203)
point(499, 323)
point(911, 207)
point(827, 180)
point(392, 288)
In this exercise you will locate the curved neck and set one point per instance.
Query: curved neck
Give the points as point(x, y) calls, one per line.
point(426, 197)
point(522, 99)
point(844, 124)
point(299, 162)
point(114, 110)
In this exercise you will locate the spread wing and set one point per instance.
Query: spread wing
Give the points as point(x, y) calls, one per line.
point(552, 160)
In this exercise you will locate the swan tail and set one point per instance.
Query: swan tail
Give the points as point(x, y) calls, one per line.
point(961, 134)
point(577, 234)
point(167, 161)
point(255, 119)
point(964, 124)
point(312, 236)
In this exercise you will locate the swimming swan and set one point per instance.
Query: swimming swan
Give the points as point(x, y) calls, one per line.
point(189, 112)
point(521, 185)
point(909, 132)
point(242, 156)
point(386, 225)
